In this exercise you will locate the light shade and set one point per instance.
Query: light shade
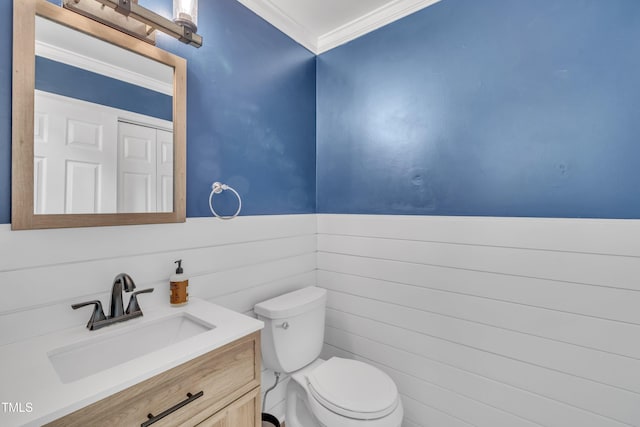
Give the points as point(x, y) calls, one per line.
point(184, 28)
point(185, 12)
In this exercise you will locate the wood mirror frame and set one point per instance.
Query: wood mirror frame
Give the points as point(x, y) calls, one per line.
point(22, 174)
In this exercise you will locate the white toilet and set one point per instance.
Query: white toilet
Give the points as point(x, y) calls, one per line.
point(333, 393)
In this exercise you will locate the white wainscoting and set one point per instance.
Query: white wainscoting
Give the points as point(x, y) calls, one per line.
point(232, 263)
point(490, 322)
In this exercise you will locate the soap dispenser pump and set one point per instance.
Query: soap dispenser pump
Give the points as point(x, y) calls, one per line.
point(178, 286)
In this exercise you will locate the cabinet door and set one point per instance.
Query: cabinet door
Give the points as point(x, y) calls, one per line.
point(218, 420)
point(244, 412)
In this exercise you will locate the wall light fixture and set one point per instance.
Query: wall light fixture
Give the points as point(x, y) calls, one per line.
point(128, 16)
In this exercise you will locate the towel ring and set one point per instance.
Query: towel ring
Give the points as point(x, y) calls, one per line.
point(217, 188)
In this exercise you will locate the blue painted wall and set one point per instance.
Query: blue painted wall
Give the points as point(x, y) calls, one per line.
point(6, 25)
point(493, 107)
point(62, 79)
point(251, 112)
point(499, 107)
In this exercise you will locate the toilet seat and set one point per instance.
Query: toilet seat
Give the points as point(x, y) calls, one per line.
point(353, 389)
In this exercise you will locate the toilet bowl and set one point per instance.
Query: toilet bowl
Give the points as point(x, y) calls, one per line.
point(343, 393)
point(334, 393)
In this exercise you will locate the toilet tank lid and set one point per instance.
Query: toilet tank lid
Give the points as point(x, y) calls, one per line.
point(292, 303)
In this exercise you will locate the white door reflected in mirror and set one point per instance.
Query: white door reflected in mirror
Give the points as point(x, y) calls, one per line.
point(103, 130)
point(89, 158)
point(145, 168)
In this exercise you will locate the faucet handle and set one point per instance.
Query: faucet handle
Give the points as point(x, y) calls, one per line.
point(96, 316)
point(133, 301)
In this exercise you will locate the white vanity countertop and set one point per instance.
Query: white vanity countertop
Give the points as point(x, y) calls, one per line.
point(28, 377)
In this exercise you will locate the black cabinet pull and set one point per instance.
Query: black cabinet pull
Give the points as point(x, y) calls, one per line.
point(190, 398)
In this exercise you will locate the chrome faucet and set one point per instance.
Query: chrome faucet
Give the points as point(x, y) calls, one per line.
point(122, 282)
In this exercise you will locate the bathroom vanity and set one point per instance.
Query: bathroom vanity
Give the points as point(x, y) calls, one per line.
point(198, 364)
point(220, 388)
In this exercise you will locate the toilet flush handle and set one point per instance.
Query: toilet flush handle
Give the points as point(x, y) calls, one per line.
point(284, 326)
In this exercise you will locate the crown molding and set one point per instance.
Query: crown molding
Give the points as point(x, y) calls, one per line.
point(283, 22)
point(372, 21)
point(380, 17)
point(77, 60)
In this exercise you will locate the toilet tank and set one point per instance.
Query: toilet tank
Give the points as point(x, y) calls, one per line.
point(294, 328)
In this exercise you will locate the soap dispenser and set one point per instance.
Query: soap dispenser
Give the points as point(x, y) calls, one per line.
point(178, 286)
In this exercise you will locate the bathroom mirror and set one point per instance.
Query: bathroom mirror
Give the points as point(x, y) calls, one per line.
point(99, 126)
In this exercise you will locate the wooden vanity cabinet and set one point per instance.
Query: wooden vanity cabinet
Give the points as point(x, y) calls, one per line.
point(228, 377)
point(244, 412)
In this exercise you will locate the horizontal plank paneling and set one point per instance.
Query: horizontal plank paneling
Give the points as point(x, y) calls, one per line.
point(244, 299)
point(24, 249)
point(476, 374)
point(82, 278)
point(583, 331)
point(233, 263)
point(495, 322)
point(427, 416)
point(596, 301)
point(565, 388)
point(451, 403)
point(593, 269)
point(599, 236)
point(536, 319)
point(228, 281)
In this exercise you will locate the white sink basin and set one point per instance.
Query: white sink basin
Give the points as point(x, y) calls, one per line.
point(111, 348)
